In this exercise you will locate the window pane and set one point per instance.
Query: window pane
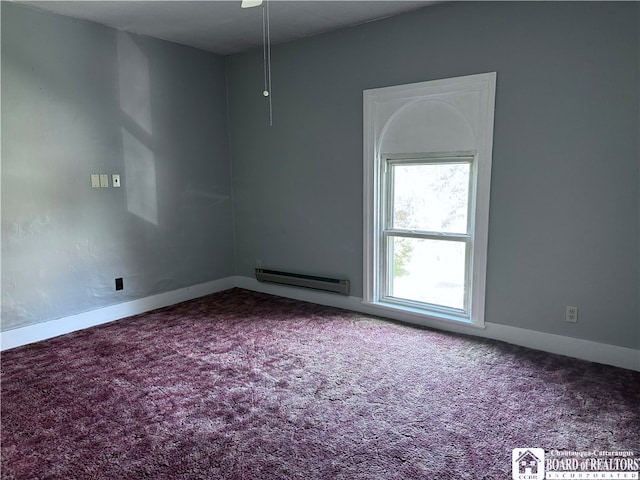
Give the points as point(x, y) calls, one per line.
point(428, 271)
point(433, 197)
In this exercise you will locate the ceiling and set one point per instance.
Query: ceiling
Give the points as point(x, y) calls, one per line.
point(221, 26)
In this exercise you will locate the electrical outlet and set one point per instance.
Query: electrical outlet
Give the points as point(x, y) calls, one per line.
point(572, 314)
point(119, 284)
point(115, 180)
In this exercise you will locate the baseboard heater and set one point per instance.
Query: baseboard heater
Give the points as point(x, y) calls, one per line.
point(335, 285)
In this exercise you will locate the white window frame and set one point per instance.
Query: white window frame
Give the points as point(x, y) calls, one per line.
point(377, 114)
point(387, 229)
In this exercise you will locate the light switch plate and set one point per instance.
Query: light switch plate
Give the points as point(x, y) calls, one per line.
point(104, 180)
point(95, 180)
point(115, 180)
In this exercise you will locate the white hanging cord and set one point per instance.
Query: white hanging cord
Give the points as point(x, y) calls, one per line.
point(269, 62)
point(266, 52)
point(265, 92)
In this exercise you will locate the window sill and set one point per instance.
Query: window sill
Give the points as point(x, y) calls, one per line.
point(419, 316)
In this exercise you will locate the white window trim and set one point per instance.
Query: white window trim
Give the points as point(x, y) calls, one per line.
point(386, 215)
point(374, 161)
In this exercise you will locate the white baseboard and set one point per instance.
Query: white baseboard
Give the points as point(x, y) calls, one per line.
point(60, 326)
point(572, 347)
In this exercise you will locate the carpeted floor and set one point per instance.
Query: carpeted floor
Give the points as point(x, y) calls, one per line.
point(242, 385)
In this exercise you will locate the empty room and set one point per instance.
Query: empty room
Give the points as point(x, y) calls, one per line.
point(320, 240)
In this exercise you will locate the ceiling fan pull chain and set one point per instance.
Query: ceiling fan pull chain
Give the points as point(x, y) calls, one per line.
point(266, 49)
point(268, 68)
point(265, 92)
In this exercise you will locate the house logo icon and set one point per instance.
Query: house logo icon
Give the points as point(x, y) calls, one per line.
point(527, 463)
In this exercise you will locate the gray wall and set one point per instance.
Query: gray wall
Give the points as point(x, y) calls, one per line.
point(564, 222)
point(78, 98)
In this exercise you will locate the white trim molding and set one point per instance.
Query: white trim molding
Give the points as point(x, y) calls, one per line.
point(61, 326)
point(617, 356)
point(434, 121)
point(573, 347)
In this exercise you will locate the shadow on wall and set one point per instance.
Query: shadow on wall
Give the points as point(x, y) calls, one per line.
point(80, 99)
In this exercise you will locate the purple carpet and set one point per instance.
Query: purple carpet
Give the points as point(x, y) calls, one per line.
point(242, 385)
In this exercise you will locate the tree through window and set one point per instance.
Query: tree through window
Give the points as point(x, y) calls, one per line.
point(427, 231)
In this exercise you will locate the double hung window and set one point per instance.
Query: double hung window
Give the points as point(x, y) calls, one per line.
point(426, 234)
point(427, 171)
